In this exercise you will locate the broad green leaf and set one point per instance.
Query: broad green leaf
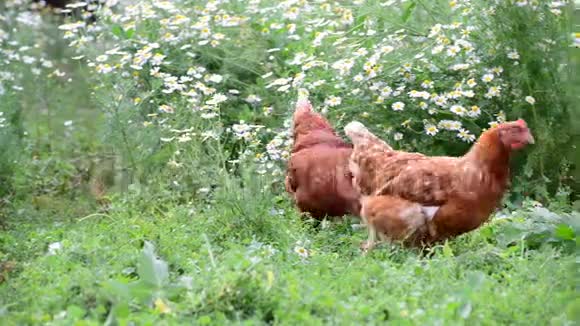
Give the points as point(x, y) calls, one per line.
point(409, 11)
point(75, 312)
point(152, 270)
point(117, 291)
point(117, 30)
point(465, 310)
point(475, 279)
point(447, 251)
point(121, 310)
point(564, 232)
point(129, 33)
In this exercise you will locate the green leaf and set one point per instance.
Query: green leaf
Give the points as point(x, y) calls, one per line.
point(564, 232)
point(204, 320)
point(117, 30)
point(152, 270)
point(465, 310)
point(409, 11)
point(75, 312)
point(121, 310)
point(475, 279)
point(117, 291)
point(129, 33)
point(447, 251)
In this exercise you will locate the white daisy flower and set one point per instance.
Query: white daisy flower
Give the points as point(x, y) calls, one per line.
point(464, 135)
point(458, 109)
point(301, 251)
point(333, 101)
point(471, 83)
point(530, 100)
point(514, 55)
point(398, 106)
point(431, 130)
point(487, 78)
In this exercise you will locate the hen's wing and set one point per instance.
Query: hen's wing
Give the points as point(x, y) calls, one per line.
point(363, 139)
point(380, 170)
point(319, 180)
point(430, 181)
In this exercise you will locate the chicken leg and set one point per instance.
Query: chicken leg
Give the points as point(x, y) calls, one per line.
point(391, 218)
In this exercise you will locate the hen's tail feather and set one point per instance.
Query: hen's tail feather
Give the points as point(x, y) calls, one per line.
point(303, 105)
point(359, 135)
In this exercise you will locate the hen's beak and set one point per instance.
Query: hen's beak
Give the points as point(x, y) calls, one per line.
point(530, 138)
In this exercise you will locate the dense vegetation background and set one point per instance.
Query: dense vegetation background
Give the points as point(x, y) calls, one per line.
point(143, 146)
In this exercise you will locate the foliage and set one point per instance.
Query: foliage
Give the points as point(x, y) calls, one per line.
point(430, 76)
point(538, 226)
point(170, 264)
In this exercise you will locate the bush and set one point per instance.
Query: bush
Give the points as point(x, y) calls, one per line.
point(426, 76)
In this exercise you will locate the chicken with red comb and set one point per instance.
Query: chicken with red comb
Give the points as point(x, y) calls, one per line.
point(318, 177)
point(420, 200)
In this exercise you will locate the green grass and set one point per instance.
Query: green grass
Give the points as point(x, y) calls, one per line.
point(470, 280)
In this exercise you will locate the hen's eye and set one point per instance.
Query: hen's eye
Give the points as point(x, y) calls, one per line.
point(516, 130)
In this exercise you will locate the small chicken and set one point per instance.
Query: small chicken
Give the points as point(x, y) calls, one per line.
point(420, 200)
point(318, 177)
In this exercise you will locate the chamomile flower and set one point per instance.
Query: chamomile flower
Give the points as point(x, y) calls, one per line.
point(521, 3)
point(358, 78)
point(302, 252)
point(453, 50)
point(459, 66)
point(514, 55)
point(464, 135)
point(471, 82)
point(493, 91)
point(440, 100)
point(437, 49)
point(267, 110)
point(431, 130)
point(333, 101)
point(449, 124)
point(497, 70)
point(474, 111)
point(530, 100)
point(458, 109)
point(386, 92)
point(166, 108)
point(386, 49)
point(419, 94)
point(468, 93)
point(104, 68)
point(343, 66)
point(217, 99)
point(361, 52)
point(487, 78)
point(252, 98)
point(398, 106)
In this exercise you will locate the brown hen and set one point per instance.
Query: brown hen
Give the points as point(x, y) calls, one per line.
point(419, 200)
point(318, 177)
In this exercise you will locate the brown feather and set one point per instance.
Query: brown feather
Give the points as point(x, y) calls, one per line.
point(318, 177)
point(462, 191)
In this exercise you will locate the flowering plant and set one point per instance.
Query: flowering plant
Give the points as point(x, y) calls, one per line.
point(426, 76)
